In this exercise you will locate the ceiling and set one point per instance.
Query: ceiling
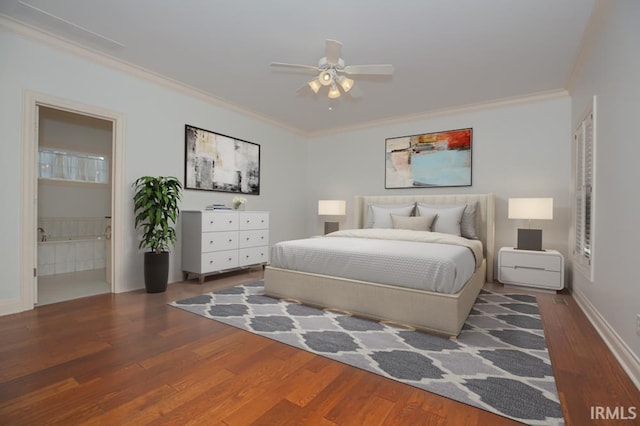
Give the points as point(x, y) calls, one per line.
point(446, 53)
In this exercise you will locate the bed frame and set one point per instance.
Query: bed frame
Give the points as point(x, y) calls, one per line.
point(435, 312)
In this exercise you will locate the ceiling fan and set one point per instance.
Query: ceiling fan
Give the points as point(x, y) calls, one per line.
point(333, 73)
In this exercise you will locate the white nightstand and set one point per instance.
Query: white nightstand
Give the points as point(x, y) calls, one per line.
point(539, 269)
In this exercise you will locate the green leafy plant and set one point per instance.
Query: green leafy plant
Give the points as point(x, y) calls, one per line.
point(156, 209)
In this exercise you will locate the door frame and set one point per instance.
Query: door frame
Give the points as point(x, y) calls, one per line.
point(29, 204)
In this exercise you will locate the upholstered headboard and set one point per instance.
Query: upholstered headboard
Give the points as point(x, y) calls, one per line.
point(485, 227)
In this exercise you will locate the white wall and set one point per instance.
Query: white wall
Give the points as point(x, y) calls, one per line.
point(519, 150)
point(155, 116)
point(612, 73)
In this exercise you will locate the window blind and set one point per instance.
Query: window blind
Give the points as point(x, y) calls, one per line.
point(584, 137)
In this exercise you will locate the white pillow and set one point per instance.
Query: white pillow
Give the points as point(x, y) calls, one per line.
point(447, 219)
point(413, 223)
point(470, 217)
point(369, 218)
point(382, 215)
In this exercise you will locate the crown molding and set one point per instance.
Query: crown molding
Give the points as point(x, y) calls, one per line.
point(480, 106)
point(69, 46)
point(590, 38)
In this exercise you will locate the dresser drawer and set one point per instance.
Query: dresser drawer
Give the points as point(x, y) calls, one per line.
point(253, 255)
point(219, 221)
point(254, 238)
point(219, 241)
point(531, 259)
point(531, 277)
point(254, 220)
point(219, 260)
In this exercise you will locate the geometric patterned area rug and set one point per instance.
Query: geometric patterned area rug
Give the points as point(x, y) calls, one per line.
point(498, 363)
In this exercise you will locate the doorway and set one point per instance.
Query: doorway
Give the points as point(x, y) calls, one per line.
point(74, 169)
point(74, 205)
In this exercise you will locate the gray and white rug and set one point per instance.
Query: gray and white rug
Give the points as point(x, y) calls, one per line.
point(498, 363)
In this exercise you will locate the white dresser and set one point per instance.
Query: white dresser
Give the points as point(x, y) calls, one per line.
point(221, 240)
point(539, 269)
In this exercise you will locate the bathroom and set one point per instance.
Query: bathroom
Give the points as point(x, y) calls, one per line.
point(74, 206)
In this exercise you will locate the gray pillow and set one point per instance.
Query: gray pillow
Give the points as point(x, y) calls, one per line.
point(382, 215)
point(447, 219)
point(413, 223)
point(469, 222)
point(369, 218)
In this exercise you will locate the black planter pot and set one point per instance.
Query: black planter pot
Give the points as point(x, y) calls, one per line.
point(156, 271)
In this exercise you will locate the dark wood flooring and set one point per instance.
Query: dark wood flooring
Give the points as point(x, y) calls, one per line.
point(131, 359)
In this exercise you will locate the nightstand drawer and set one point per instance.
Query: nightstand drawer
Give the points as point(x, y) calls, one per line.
point(531, 259)
point(531, 277)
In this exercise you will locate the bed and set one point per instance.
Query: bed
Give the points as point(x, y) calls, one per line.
point(430, 309)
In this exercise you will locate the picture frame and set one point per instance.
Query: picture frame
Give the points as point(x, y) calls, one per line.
point(427, 160)
point(217, 162)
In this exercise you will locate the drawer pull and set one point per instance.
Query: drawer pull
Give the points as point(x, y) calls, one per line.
point(247, 238)
point(229, 259)
point(210, 242)
point(210, 262)
point(528, 267)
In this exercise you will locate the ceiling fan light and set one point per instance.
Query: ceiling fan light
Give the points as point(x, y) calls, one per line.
point(334, 92)
point(315, 85)
point(346, 84)
point(325, 78)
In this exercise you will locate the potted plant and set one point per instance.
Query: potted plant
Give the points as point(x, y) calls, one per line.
point(156, 212)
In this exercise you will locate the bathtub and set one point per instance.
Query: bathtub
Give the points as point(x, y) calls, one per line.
point(64, 254)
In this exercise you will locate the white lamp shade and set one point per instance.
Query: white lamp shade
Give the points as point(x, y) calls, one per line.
point(334, 92)
point(332, 207)
point(325, 78)
point(531, 208)
point(314, 85)
point(345, 83)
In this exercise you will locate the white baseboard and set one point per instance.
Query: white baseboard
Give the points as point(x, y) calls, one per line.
point(10, 306)
point(627, 359)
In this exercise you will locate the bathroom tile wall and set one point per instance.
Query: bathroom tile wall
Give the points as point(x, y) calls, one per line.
point(73, 227)
point(72, 245)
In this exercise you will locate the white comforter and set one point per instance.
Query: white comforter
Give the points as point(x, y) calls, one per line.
point(422, 260)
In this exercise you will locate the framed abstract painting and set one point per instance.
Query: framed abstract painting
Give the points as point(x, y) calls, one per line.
point(215, 162)
point(429, 160)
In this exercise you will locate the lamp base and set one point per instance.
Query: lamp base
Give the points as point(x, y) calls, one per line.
point(330, 227)
point(530, 239)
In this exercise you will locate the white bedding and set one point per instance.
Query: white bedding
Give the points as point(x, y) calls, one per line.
point(422, 260)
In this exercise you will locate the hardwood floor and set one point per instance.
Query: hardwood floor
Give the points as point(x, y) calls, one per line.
point(131, 359)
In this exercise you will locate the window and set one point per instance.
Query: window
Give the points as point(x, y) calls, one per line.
point(72, 166)
point(584, 138)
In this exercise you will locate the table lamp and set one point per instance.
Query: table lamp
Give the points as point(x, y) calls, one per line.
point(530, 209)
point(331, 208)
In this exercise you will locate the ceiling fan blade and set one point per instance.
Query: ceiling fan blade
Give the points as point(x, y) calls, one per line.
point(382, 69)
point(332, 51)
point(294, 66)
